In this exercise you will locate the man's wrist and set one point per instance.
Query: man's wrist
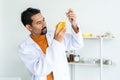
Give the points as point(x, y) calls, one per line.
point(75, 28)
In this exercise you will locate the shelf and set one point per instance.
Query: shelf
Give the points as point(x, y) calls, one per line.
point(100, 63)
point(98, 38)
point(87, 64)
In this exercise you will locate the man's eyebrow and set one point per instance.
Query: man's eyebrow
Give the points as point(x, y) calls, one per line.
point(41, 20)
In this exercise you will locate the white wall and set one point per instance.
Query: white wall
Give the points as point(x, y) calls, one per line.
point(96, 16)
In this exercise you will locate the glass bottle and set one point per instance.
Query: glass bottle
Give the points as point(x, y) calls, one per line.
point(76, 57)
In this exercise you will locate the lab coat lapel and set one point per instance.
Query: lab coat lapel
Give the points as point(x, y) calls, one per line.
point(37, 47)
point(49, 38)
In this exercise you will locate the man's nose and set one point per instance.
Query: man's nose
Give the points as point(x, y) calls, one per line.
point(44, 24)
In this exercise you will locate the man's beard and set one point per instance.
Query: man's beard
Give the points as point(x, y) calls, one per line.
point(43, 31)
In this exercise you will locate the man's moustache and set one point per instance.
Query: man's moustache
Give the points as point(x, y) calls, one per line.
point(44, 28)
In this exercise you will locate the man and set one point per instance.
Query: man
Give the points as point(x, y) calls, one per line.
point(44, 54)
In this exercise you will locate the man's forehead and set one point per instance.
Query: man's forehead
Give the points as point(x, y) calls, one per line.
point(38, 16)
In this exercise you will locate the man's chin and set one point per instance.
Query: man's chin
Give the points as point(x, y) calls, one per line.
point(43, 33)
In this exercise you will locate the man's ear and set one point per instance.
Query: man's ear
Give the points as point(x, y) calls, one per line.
point(28, 27)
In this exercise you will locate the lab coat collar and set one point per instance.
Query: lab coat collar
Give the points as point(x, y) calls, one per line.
point(49, 37)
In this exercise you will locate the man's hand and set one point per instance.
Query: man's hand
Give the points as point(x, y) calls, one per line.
point(72, 18)
point(59, 34)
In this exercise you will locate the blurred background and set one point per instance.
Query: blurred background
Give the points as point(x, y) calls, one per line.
point(93, 16)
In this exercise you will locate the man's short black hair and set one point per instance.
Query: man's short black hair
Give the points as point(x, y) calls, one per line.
point(27, 14)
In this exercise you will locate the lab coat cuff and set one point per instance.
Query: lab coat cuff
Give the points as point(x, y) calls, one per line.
point(79, 34)
point(58, 44)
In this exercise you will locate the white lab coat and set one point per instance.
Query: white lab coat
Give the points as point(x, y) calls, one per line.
point(40, 65)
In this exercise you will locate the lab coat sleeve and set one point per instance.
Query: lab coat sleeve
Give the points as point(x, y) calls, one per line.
point(73, 41)
point(42, 65)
